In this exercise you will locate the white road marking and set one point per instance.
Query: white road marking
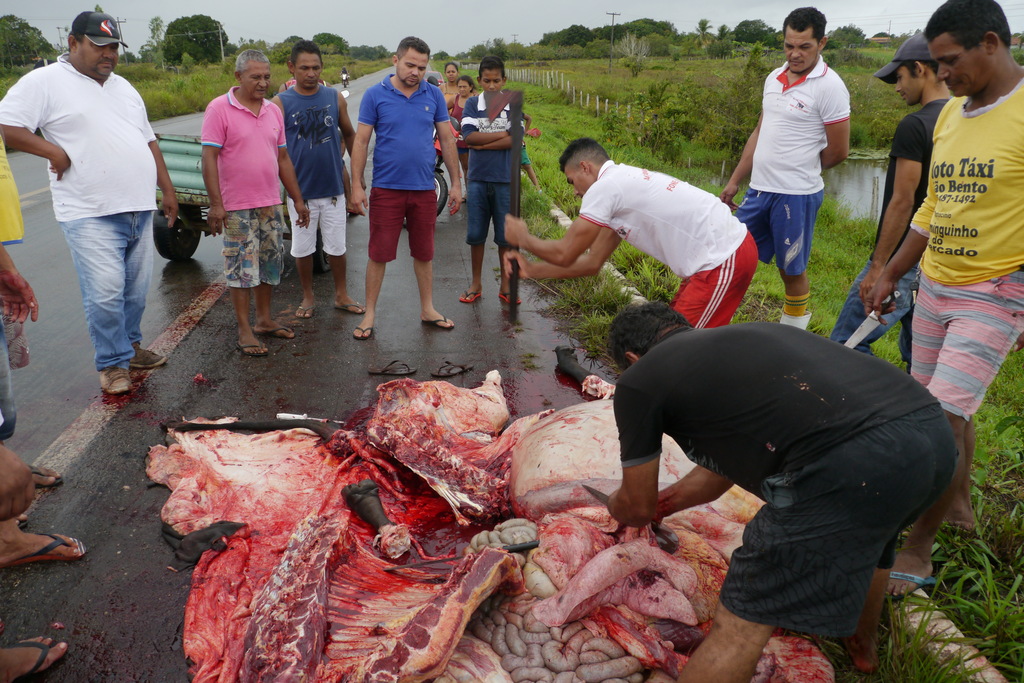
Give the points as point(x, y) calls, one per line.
point(74, 440)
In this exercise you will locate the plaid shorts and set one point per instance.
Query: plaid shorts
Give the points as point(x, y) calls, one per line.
point(809, 554)
point(253, 246)
point(962, 335)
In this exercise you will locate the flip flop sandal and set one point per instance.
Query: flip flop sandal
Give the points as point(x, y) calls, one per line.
point(47, 553)
point(395, 367)
point(351, 308)
point(44, 652)
point(437, 323)
point(304, 312)
point(451, 369)
point(469, 297)
point(504, 296)
point(242, 348)
point(277, 333)
point(362, 333)
point(57, 479)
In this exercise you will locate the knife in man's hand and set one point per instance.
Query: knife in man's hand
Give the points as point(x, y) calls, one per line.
point(667, 539)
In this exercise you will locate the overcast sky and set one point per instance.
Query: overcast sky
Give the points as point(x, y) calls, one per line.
point(448, 26)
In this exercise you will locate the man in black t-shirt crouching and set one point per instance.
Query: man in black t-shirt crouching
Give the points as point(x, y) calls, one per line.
point(845, 449)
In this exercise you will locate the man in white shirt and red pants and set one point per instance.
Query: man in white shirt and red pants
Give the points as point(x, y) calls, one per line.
point(684, 227)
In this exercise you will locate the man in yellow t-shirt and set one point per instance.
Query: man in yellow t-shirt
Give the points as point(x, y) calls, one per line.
point(970, 310)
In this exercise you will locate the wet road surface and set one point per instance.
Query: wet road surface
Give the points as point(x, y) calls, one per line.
point(120, 609)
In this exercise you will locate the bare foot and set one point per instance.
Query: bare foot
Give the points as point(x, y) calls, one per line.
point(863, 654)
point(907, 563)
point(960, 513)
point(26, 658)
point(44, 477)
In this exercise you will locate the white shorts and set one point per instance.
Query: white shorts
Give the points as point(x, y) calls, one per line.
point(327, 213)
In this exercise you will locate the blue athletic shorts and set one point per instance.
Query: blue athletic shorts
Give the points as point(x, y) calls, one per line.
point(486, 202)
point(782, 226)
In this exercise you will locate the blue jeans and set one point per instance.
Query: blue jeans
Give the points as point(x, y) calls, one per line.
point(852, 315)
point(113, 256)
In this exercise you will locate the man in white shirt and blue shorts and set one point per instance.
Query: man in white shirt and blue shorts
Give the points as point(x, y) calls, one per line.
point(804, 128)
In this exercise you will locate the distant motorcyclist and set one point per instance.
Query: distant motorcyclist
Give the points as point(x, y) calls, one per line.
point(344, 76)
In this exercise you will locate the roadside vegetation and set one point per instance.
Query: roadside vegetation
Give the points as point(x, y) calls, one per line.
point(979, 573)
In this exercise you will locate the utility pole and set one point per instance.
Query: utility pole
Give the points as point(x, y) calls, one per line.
point(124, 52)
point(220, 34)
point(62, 43)
point(515, 41)
point(611, 48)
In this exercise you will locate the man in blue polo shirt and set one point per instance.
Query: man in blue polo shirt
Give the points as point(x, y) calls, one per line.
point(404, 111)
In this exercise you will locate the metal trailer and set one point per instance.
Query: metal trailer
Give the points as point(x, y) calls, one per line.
point(183, 155)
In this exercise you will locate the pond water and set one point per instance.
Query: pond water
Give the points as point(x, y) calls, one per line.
point(858, 183)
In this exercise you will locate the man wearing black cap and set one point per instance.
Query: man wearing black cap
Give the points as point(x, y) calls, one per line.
point(914, 74)
point(104, 164)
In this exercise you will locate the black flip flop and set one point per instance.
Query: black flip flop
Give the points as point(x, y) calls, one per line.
point(57, 479)
point(451, 369)
point(44, 651)
point(395, 367)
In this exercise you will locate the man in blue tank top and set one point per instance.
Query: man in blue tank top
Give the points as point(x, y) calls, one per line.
point(318, 131)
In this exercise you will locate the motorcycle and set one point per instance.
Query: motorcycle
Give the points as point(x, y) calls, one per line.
point(344, 79)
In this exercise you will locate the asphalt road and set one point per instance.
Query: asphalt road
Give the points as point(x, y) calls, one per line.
point(120, 608)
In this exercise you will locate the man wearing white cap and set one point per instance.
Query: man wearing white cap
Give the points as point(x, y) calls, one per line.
point(104, 167)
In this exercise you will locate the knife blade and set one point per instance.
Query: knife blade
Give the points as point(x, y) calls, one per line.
point(869, 324)
point(667, 539)
point(513, 548)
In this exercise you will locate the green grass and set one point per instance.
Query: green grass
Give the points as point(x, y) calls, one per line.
point(979, 573)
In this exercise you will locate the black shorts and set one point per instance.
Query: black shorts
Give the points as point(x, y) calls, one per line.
point(808, 556)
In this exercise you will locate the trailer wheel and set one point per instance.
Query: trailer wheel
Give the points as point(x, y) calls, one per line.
point(178, 243)
point(441, 190)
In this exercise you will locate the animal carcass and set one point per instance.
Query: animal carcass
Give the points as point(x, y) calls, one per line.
point(300, 593)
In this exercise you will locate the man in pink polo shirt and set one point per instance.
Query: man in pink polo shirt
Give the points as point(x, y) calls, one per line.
point(804, 128)
point(244, 155)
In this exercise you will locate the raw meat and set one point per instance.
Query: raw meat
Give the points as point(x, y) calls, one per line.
point(300, 592)
point(474, 662)
point(449, 437)
point(635, 574)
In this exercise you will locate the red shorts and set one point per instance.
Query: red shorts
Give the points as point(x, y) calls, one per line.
point(711, 297)
point(389, 209)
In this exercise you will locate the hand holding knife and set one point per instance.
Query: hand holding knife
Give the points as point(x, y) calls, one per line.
point(667, 539)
